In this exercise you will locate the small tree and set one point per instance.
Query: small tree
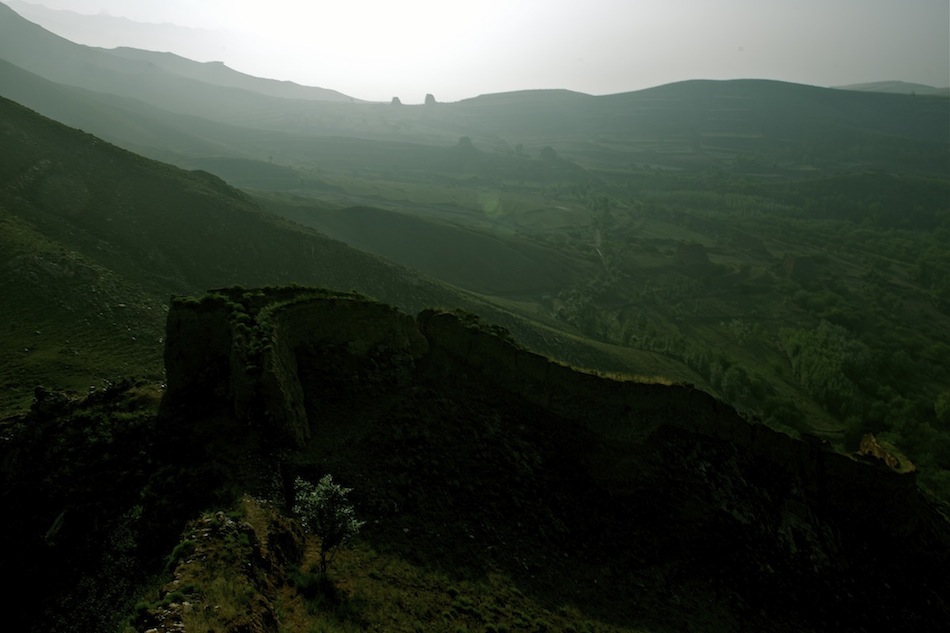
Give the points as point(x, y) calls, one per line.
point(326, 512)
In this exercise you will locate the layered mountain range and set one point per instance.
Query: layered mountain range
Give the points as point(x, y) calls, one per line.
point(668, 359)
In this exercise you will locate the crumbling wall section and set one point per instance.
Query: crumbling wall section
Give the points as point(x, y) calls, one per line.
point(248, 351)
point(870, 490)
point(242, 349)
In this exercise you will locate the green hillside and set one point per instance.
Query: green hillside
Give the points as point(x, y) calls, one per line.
point(464, 257)
point(701, 231)
point(495, 490)
point(782, 245)
point(763, 266)
point(718, 225)
point(99, 239)
point(131, 123)
point(36, 50)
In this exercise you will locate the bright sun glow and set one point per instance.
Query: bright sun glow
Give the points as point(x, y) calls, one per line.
point(376, 49)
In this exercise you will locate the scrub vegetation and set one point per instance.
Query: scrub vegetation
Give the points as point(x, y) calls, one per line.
point(781, 247)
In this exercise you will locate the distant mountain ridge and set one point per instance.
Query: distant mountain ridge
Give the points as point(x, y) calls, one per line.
point(131, 38)
point(163, 79)
point(85, 28)
point(897, 87)
point(758, 115)
point(94, 239)
point(218, 74)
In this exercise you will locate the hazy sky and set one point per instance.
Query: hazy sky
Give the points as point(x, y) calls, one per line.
point(377, 49)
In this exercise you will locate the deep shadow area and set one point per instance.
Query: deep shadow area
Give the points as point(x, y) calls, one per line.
point(635, 504)
point(682, 530)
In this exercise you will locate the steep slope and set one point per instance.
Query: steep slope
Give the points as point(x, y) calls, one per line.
point(142, 127)
point(96, 226)
point(140, 41)
point(86, 28)
point(217, 74)
point(637, 503)
point(34, 49)
point(69, 320)
point(130, 123)
point(500, 489)
point(92, 225)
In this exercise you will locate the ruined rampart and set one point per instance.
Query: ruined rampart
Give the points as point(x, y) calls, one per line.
point(866, 489)
point(244, 349)
point(247, 349)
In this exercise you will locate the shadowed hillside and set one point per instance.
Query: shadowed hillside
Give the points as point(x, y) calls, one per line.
point(499, 488)
point(780, 244)
point(464, 257)
point(98, 238)
point(706, 389)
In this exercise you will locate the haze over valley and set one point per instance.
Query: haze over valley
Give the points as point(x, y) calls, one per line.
point(373, 50)
point(612, 317)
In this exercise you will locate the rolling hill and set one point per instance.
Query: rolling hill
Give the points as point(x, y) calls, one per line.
point(162, 81)
point(679, 125)
point(898, 87)
point(98, 238)
point(699, 230)
point(779, 246)
point(217, 74)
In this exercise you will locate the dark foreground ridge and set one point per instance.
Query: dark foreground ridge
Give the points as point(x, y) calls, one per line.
point(639, 504)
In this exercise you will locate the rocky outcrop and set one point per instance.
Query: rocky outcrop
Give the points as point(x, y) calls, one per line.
point(216, 546)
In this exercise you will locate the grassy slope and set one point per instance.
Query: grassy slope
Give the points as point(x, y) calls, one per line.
point(93, 227)
point(132, 123)
point(756, 172)
point(714, 134)
point(485, 513)
point(69, 321)
point(33, 48)
point(461, 256)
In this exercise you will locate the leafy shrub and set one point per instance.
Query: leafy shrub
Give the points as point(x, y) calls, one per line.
point(326, 512)
point(183, 550)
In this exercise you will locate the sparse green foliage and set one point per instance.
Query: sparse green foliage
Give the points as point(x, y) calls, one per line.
point(182, 551)
point(828, 275)
point(326, 512)
point(827, 361)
